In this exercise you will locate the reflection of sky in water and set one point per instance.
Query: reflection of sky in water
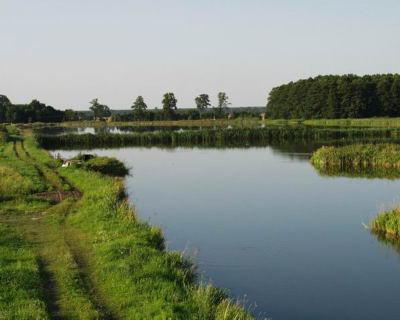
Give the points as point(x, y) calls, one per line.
point(262, 222)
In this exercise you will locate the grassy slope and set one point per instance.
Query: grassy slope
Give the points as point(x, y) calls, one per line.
point(92, 258)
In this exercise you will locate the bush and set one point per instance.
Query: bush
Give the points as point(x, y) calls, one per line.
point(106, 165)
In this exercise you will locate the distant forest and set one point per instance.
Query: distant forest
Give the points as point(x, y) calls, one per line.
point(331, 97)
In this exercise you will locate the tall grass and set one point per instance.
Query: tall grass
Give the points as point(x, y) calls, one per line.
point(358, 156)
point(387, 223)
point(215, 137)
point(368, 122)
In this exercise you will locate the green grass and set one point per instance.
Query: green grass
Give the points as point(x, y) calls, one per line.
point(387, 223)
point(21, 294)
point(358, 156)
point(136, 277)
point(17, 177)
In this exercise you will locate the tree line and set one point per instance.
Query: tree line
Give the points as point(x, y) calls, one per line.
point(331, 97)
point(169, 108)
point(36, 111)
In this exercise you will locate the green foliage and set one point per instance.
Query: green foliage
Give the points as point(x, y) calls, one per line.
point(202, 102)
point(387, 223)
point(358, 156)
point(4, 136)
point(100, 110)
point(169, 105)
point(21, 296)
point(27, 113)
point(139, 108)
point(106, 165)
point(218, 137)
point(70, 115)
point(347, 96)
point(223, 103)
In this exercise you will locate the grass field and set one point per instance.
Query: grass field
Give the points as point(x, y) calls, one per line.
point(88, 257)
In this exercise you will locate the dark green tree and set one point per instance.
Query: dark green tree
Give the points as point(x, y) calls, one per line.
point(202, 102)
point(100, 110)
point(139, 108)
point(169, 104)
point(347, 96)
point(223, 103)
point(4, 104)
point(70, 115)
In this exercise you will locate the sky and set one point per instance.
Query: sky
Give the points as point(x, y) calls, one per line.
point(65, 53)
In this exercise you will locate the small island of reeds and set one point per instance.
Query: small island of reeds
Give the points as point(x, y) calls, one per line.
point(358, 156)
point(387, 223)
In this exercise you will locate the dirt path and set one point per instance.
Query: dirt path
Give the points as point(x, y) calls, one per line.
point(68, 288)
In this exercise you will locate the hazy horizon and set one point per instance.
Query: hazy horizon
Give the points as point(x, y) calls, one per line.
point(67, 53)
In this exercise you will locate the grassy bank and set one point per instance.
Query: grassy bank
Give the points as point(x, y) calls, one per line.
point(358, 156)
point(88, 258)
point(137, 278)
point(215, 137)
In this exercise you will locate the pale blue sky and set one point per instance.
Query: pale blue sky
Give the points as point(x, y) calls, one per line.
point(67, 52)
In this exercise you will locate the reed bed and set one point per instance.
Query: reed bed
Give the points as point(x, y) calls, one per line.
point(387, 223)
point(386, 155)
point(214, 137)
point(367, 122)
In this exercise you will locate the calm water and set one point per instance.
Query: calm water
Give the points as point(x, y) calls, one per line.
point(264, 224)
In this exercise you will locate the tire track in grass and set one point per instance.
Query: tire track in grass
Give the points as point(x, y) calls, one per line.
point(79, 254)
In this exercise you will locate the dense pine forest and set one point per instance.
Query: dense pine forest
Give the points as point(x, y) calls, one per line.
point(347, 96)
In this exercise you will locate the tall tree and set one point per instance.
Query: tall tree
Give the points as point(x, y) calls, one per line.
point(202, 102)
point(70, 115)
point(223, 103)
point(4, 104)
point(139, 108)
point(100, 110)
point(169, 104)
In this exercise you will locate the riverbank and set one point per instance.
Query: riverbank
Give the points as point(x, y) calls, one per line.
point(89, 257)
